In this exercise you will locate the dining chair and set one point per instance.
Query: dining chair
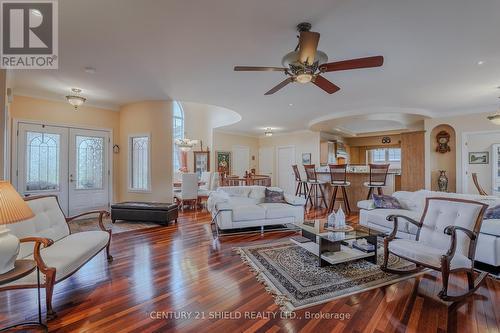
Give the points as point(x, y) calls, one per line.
point(315, 187)
point(204, 188)
point(189, 190)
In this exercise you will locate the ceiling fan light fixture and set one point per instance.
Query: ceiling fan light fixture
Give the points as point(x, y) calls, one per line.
point(75, 98)
point(304, 78)
point(495, 119)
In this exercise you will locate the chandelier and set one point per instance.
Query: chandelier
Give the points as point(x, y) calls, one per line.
point(185, 144)
point(75, 98)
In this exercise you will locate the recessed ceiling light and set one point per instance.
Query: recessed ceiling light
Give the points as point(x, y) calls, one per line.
point(291, 104)
point(90, 70)
point(481, 62)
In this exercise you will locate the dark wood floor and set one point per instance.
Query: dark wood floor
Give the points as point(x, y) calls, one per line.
point(179, 269)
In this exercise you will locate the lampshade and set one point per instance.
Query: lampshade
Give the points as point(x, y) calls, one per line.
point(12, 207)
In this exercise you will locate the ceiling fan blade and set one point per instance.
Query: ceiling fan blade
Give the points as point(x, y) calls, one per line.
point(308, 44)
point(326, 85)
point(258, 69)
point(353, 64)
point(279, 86)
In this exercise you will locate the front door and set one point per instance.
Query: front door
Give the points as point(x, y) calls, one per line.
point(88, 170)
point(241, 160)
point(71, 163)
point(42, 156)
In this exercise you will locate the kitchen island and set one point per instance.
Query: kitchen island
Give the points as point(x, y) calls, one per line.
point(357, 191)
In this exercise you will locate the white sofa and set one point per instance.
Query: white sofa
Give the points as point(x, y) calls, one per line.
point(488, 244)
point(47, 239)
point(244, 206)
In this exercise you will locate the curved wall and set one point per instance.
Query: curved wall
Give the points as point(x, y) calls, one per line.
point(155, 119)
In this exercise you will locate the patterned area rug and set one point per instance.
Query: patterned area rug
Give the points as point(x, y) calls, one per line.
point(291, 274)
point(120, 226)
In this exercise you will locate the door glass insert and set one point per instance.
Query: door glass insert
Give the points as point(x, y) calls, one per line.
point(89, 162)
point(42, 161)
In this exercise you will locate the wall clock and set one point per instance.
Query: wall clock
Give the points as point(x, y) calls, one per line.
point(443, 138)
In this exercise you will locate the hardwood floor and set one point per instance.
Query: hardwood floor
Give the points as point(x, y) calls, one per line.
point(163, 278)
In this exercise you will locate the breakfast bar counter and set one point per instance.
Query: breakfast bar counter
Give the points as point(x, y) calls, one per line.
point(356, 191)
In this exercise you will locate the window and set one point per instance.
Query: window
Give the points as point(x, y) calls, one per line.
point(386, 155)
point(178, 133)
point(139, 167)
point(42, 161)
point(89, 162)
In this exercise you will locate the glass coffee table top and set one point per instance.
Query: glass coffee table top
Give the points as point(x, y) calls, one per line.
point(318, 228)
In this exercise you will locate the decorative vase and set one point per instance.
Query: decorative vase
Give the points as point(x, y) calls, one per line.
point(443, 181)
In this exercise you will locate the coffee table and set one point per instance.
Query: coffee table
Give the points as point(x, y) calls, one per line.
point(333, 247)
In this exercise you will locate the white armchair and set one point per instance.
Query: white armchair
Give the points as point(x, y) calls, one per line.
point(445, 241)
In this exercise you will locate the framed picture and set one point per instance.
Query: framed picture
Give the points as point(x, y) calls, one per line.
point(201, 162)
point(306, 158)
point(482, 157)
point(224, 162)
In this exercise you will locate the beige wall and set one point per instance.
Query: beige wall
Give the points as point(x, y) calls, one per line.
point(197, 126)
point(461, 125)
point(223, 141)
point(3, 105)
point(41, 110)
point(154, 118)
point(443, 161)
point(303, 141)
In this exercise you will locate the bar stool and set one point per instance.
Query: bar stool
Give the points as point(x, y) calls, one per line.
point(378, 178)
point(338, 179)
point(301, 189)
point(315, 186)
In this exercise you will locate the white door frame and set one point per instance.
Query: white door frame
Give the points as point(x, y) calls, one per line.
point(14, 151)
point(277, 161)
point(463, 160)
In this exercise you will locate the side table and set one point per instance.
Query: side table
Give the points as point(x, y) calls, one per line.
point(21, 269)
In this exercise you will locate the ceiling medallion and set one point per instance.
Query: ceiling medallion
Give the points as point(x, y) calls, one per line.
point(75, 98)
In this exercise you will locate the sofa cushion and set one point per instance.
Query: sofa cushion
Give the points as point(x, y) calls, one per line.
point(386, 201)
point(248, 213)
point(236, 191)
point(492, 213)
point(49, 222)
point(68, 254)
point(258, 192)
point(491, 227)
point(242, 201)
point(277, 210)
point(379, 217)
point(274, 196)
point(426, 253)
point(366, 204)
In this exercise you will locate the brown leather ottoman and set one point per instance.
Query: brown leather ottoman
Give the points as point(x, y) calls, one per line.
point(144, 212)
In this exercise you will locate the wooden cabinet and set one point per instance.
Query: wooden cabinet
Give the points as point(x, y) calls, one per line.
point(327, 152)
point(412, 161)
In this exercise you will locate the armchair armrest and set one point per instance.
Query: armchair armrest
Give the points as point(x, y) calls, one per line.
point(395, 218)
point(102, 214)
point(39, 241)
point(452, 231)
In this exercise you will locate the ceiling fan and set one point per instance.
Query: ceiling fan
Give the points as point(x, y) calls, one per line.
point(306, 63)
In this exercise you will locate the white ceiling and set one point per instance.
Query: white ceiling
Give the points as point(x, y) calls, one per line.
point(186, 50)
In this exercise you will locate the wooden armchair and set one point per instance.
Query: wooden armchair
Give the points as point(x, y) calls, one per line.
point(445, 241)
point(49, 231)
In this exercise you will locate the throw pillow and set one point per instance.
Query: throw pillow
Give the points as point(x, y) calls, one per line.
point(386, 201)
point(274, 196)
point(492, 213)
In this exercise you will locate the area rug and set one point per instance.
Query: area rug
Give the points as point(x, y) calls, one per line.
point(118, 227)
point(291, 274)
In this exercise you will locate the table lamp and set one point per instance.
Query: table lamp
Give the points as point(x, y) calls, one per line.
point(12, 209)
